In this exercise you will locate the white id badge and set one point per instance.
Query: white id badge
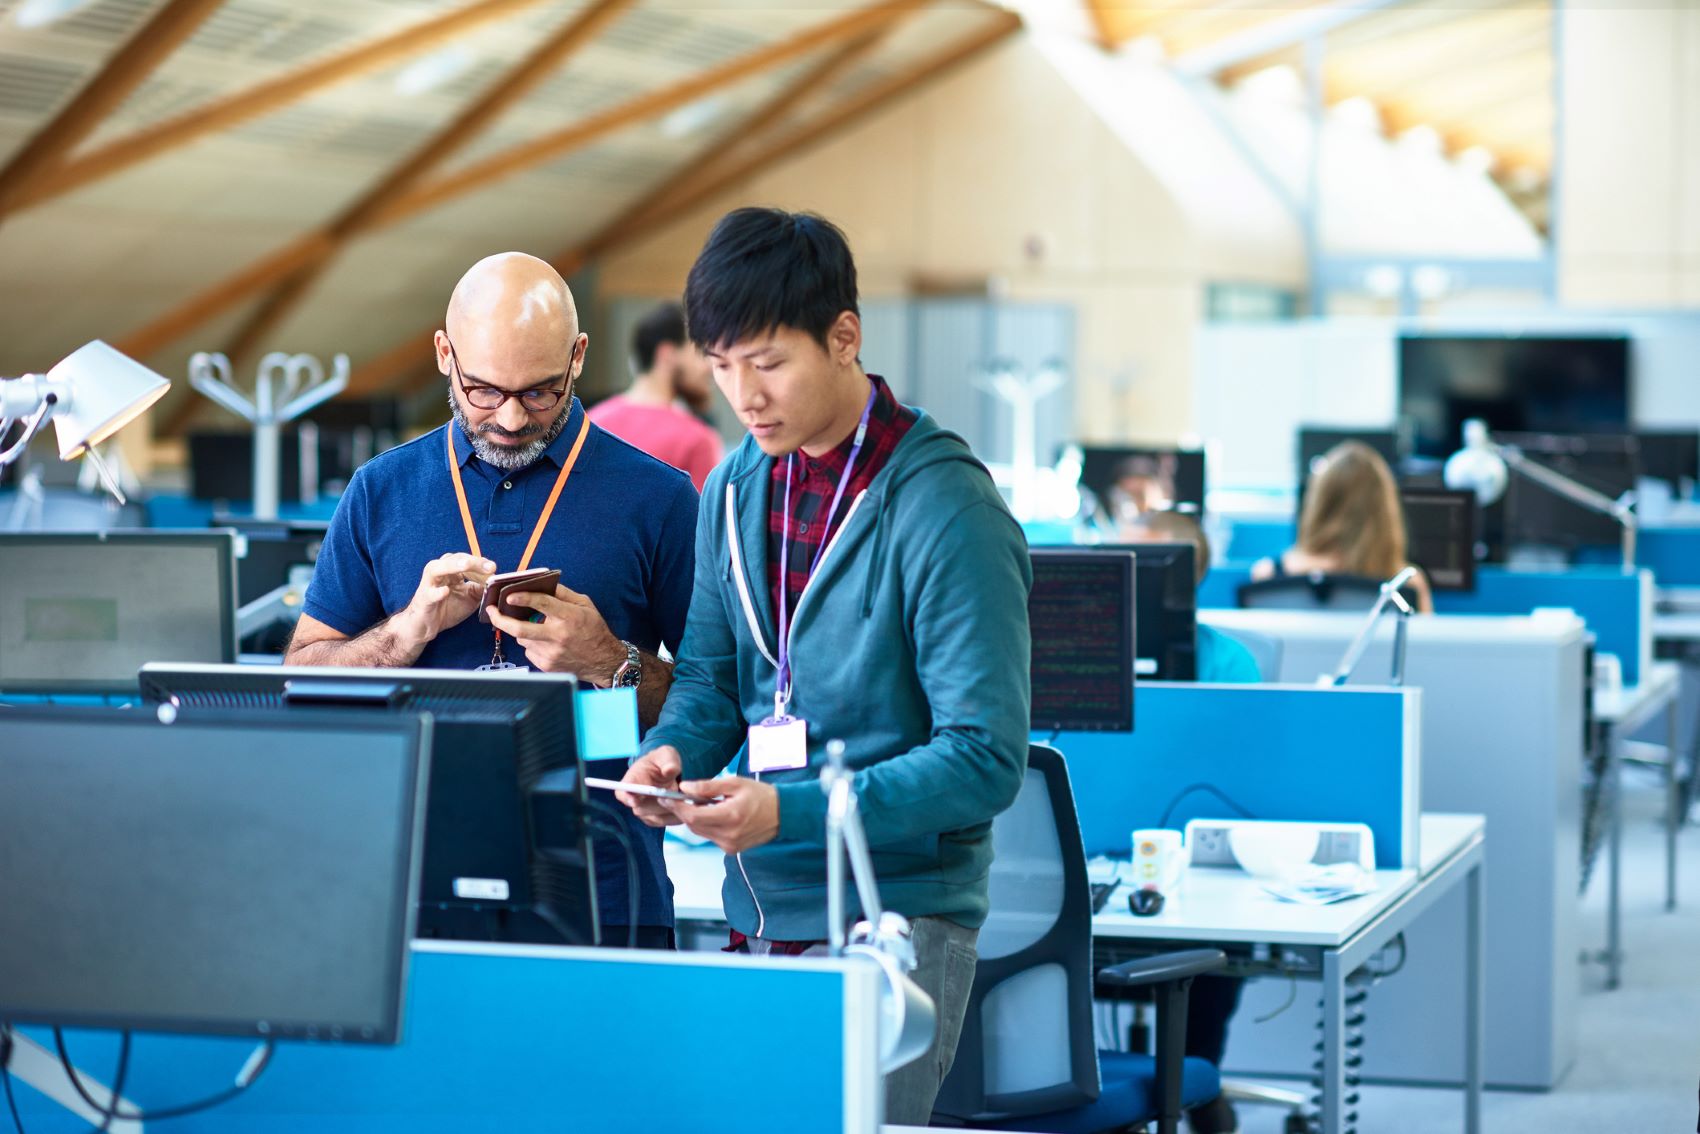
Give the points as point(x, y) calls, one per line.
point(779, 744)
point(502, 667)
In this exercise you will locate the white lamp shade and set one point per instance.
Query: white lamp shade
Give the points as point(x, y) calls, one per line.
point(1477, 467)
point(100, 391)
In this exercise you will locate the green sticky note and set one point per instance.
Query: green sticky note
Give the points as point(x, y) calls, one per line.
point(607, 724)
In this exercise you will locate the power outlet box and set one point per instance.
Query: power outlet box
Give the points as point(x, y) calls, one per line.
point(1207, 841)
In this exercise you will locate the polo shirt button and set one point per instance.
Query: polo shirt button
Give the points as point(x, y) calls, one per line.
point(802, 529)
point(507, 484)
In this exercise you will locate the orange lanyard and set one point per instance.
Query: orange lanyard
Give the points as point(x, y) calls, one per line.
point(542, 521)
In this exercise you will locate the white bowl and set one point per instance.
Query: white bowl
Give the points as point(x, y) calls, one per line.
point(1273, 850)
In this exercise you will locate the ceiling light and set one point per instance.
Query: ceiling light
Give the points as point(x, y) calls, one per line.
point(691, 117)
point(40, 13)
point(437, 69)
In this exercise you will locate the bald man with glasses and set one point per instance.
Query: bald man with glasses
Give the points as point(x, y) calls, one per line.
point(519, 478)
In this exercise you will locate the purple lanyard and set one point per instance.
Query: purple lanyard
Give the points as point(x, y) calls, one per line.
point(782, 690)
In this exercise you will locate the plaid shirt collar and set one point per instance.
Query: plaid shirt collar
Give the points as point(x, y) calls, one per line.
point(813, 482)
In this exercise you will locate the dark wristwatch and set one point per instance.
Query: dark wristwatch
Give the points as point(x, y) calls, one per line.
point(630, 672)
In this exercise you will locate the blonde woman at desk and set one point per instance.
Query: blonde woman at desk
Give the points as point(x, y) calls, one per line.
point(1351, 524)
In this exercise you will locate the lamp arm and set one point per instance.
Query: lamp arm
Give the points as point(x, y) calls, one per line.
point(1557, 482)
point(1355, 652)
point(32, 426)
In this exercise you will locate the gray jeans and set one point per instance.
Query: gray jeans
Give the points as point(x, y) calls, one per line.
point(945, 956)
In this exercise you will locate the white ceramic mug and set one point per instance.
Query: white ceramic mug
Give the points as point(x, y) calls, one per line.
point(1159, 859)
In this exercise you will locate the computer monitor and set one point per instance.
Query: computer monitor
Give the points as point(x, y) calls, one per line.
point(1081, 613)
point(1671, 455)
point(1535, 515)
point(1314, 442)
point(221, 466)
point(507, 852)
point(1165, 607)
point(1516, 383)
point(234, 874)
point(1127, 480)
point(270, 551)
point(1440, 535)
point(81, 611)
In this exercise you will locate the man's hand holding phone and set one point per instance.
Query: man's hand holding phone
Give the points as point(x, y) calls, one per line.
point(448, 593)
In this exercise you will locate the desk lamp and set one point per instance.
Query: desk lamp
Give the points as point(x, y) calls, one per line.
point(91, 394)
point(1390, 596)
point(907, 1014)
point(1484, 466)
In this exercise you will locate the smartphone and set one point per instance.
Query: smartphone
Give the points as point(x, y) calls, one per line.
point(540, 580)
point(645, 789)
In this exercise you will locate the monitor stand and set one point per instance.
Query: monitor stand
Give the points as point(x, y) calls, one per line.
point(40, 1068)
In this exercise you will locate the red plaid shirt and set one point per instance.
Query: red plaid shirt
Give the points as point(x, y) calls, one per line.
point(815, 479)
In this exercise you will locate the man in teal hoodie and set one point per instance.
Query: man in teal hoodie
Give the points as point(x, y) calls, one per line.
point(857, 578)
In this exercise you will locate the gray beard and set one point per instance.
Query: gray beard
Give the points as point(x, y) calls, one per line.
point(501, 456)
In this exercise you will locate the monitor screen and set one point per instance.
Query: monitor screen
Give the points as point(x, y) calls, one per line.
point(493, 869)
point(232, 875)
point(1514, 383)
point(1314, 443)
point(1081, 611)
point(1165, 608)
point(1671, 455)
point(1127, 481)
point(1440, 535)
point(81, 612)
point(1535, 515)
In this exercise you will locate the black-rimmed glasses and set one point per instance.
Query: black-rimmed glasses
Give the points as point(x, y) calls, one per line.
point(494, 398)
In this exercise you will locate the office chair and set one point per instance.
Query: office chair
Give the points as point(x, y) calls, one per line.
point(1314, 591)
point(1027, 1058)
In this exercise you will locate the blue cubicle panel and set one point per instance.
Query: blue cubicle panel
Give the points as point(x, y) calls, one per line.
point(1254, 539)
point(168, 511)
point(516, 1039)
point(1672, 554)
point(1616, 607)
point(1348, 755)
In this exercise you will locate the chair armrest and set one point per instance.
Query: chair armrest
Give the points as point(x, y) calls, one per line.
point(1163, 968)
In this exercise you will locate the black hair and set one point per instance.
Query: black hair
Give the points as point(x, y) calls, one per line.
point(763, 269)
point(665, 324)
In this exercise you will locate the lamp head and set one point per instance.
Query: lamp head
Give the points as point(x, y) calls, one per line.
point(99, 391)
point(1477, 467)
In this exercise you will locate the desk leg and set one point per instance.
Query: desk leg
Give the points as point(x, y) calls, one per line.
point(1614, 911)
point(1673, 804)
point(1475, 961)
point(1333, 1043)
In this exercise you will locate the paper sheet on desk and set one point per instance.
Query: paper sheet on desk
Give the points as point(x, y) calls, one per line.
point(1323, 885)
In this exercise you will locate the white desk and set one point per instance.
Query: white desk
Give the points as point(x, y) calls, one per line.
point(1618, 713)
point(1221, 907)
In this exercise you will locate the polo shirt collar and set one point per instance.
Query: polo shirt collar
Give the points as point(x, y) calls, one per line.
point(556, 453)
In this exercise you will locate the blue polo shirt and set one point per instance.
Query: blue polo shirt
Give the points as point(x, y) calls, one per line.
point(623, 533)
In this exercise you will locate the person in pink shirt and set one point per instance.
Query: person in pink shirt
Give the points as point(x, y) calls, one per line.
point(670, 370)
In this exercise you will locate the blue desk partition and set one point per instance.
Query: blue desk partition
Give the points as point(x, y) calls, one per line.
point(517, 1039)
point(1346, 755)
point(1672, 554)
point(169, 511)
point(1252, 540)
point(1617, 608)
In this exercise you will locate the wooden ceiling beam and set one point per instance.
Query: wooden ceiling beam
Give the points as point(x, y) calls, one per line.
point(378, 372)
point(140, 56)
point(263, 98)
point(561, 142)
point(815, 132)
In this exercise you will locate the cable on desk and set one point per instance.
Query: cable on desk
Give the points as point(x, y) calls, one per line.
point(1292, 997)
point(1404, 955)
point(6, 1046)
point(1194, 789)
point(609, 822)
point(251, 1071)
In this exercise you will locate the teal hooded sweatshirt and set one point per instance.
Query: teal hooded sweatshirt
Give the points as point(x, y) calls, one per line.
point(910, 644)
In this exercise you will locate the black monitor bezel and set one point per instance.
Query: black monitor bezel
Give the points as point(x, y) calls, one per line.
point(1471, 505)
point(1156, 555)
point(1184, 505)
point(199, 538)
point(415, 729)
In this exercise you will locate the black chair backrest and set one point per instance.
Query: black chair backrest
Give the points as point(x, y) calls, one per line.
point(1027, 1043)
point(1311, 592)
